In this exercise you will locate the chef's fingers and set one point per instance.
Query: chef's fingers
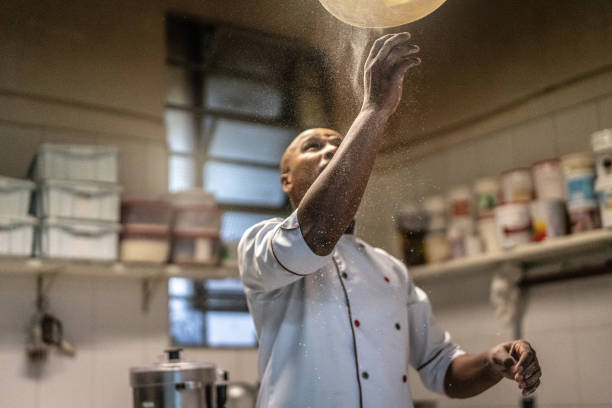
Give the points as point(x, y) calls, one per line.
point(531, 389)
point(525, 354)
point(503, 359)
point(529, 371)
point(378, 45)
point(392, 42)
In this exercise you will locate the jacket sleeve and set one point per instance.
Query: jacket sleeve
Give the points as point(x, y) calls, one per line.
point(431, 348)
point(273, 254)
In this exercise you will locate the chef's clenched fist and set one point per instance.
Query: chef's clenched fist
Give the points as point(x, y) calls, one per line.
point(517, 361)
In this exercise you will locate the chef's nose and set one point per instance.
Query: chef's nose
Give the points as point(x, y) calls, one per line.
point(329, 151)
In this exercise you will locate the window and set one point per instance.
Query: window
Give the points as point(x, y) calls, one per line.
point(235, 99)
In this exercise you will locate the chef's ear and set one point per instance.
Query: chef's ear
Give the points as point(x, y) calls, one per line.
point(286, 183)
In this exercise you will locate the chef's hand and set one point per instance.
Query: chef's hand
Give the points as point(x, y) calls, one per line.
point(517, 361)
point(390, 57)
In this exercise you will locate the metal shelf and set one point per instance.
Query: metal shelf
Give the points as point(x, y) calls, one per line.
point(40, 266)
point(551, 251)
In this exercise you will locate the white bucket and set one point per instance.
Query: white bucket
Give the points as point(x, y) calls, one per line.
point(548, 219)
point(487, 195)
point(548, 180)
point(487, 229)
point(513, 224)
point(604, 193)
point(579, 170)
point(602, 147)
point(517, 186)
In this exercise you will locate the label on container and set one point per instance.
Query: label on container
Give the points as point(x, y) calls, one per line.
point(581, 188)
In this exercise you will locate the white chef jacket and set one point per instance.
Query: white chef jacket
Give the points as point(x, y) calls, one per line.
point(337, 330)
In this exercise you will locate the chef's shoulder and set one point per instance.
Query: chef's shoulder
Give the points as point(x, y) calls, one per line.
point(260, 228)
point(390, 262)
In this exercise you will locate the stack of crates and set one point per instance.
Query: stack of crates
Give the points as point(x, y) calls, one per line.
point(16, 226)
point(77, 200)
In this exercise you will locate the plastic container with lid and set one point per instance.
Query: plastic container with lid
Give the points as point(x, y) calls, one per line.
point(548, 219)
point(513, 224)
point(487, 195)
point(78, 199)
point(206, 219)
point(584, 216)
point(579, 170)
point(602, 147)
point(16, 235)
point(604, 194)
point(175, 383)
point(150, 213)
point(517, 186)
point(193, 247)
point(437, 249)
point(76, 162)
point(460, 201)
point(487, 230)
point(141, 243)
point(15, 196)
point(78, 239)
point(548, 180)
point(435, 207)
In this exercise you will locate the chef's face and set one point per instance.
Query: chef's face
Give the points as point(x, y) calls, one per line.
point(305, 158)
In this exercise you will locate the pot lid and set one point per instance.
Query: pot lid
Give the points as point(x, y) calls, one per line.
point(173, 371)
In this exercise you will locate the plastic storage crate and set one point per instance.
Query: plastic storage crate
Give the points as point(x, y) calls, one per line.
point(78, 199)
point(76, 162)
point(78, 239)
point(204, 219)
point(16, 235)
point(149, 214)
point(15, 196)
point(144, 244)
point(195, 248)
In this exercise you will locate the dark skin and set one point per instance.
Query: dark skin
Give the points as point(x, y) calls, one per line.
point(325, 176)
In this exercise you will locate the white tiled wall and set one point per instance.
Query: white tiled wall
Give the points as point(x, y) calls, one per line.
point(103, 318)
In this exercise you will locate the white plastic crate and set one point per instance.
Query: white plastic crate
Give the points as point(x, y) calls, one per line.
point(16, 235)
point(196, 248)
point(78, 199)
point(78, 239)
point(204, 219)
point(141, 243)
point(15, 196)
point(76, 162)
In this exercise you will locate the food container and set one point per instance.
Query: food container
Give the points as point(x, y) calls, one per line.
point(16, 235)
point(202, 218)
point(76, 162)
point(15, 196)
point(147, 213)
point(548, 219)
point(436, 247)
point(584, 217)
point(579, 170)
point(458, 231)
point(513, 224)
point(604, 193)
point(487, 230)
point(190, 197)
point(140, 243)
point(602, 147)
point(78, 239)
point(517, 186)
point(460, 202)
point(78, 199)
point(175, 383)
point(548, 180)
point(435, 207)
point(473, 245)
point(487, 195)
point(192, 247)
point(412, 225)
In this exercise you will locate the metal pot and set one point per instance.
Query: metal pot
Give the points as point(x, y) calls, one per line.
point(178, 384)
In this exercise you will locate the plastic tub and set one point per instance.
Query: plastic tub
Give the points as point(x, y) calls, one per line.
point(487, 230)
point(548, 219)
point(460, 201)
point(579, 170)
point(147, 213)
point(436, 247)
point(16, 235)
point(513, 224)
point(78, 199)
point(602, 147)
point(79, 239)
point(584, 217)
point(604, 194)
point(487, 195)
point(435, 207)
point(459, 229)
point(15, 196)
point(517, 186)
point(548, 180)
point(195, 248)
point(144, 244)
point(76, 162)
point(205, 219)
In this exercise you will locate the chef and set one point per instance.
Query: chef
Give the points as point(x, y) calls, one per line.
point(339, 321)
